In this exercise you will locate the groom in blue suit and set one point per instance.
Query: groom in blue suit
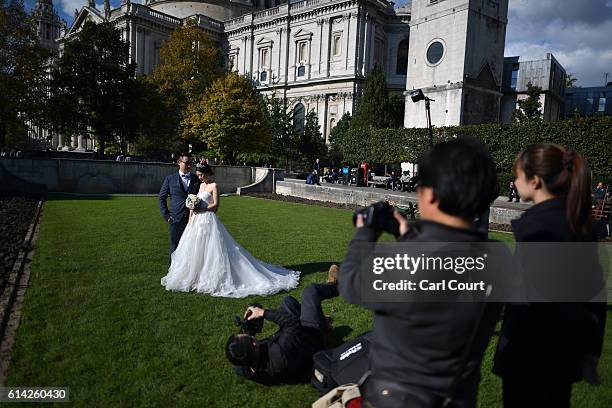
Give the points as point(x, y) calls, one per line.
point(177, 185)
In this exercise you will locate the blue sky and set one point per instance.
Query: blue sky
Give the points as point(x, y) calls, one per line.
point(577, 32)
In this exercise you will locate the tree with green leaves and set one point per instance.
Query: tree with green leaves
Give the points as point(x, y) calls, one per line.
point(285, 137)
point(228, 118)
point(190, 62)
point(338, 135)
point(375, 108)
point(23, 74)
point(397, 102)
point(570, 81)
point(530, 108)
point(312, 144)
point(154, 132)
point(93, 86)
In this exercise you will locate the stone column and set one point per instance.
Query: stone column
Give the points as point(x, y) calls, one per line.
point(250, 46)
point(74, 143)
point(281, 51)
point(365, 53)
point(132, 35)
point(245, 53)
point(325, 44)
point(146, 51)
point(321, 36)
point(325, 116)
point(141, 50)
point(80, 143)
point(54, 140)
point(350, 32)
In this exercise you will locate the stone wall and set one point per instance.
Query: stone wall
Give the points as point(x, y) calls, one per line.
point(500, 213)
point(265, 181)
point(110, 177)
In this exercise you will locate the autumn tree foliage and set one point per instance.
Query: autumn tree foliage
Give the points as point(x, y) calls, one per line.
point(229, 118)
point(190, 62)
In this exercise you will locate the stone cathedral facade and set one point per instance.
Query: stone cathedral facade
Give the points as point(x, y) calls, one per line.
point(316, 53)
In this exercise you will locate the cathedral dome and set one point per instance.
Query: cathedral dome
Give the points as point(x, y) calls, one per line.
point(219, 10)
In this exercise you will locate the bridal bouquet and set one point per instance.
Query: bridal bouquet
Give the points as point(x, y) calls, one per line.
point(192, 201)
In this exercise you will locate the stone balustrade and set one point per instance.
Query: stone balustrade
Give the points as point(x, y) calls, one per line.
point(150, 13)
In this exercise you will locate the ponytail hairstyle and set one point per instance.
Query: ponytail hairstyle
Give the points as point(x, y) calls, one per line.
point(564, 172)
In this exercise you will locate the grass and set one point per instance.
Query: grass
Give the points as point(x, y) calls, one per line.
point(97, 320)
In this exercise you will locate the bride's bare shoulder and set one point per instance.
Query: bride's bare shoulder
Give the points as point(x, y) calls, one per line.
point(208, 187)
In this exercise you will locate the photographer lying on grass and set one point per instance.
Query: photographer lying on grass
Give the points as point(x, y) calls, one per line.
point(418, 347)
point(286, 357)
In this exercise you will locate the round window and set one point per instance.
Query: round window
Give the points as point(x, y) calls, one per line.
point(435, 52)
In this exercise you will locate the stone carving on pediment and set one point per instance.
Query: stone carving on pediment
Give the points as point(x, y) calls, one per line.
point(337, 19)
point(263, 41)
point(303, 34)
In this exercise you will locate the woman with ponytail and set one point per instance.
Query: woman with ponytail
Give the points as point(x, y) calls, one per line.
point(545, 347)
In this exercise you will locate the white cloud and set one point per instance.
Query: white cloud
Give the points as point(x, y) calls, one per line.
point(68, 6)
point(576, 32)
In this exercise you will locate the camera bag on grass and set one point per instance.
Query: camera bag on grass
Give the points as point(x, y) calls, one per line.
point(357, 360)
point(344, 364)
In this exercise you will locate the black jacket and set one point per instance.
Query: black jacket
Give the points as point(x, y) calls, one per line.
point(285, 357)
point(548, 339)
point(421, 344)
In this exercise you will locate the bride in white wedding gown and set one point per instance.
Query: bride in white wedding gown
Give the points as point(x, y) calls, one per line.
point(209, 260)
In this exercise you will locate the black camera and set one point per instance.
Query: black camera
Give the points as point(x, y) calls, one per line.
point(379, 216)
point(250, 327)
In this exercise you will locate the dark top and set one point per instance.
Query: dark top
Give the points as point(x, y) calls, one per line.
point(285, 357)
point(421, 344)
point(548, 339)
point(599, 193)
point(174, 187)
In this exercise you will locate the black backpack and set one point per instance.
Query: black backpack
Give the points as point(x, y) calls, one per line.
point(344, 364)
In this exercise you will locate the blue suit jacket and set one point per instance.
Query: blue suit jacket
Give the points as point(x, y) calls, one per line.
point(174, 188)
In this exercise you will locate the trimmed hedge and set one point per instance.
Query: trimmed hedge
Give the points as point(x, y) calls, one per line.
point(592, 137)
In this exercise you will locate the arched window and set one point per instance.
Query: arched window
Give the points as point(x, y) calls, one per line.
point(299, 117)
point(402, 58)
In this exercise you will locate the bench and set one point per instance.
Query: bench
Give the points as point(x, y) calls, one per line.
point(377, 181)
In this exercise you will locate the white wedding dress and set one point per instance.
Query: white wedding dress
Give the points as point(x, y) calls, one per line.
point(209, 260)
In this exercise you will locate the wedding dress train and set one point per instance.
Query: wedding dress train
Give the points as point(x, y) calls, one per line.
point(209, 260)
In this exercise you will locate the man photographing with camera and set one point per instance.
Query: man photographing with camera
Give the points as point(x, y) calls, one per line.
point(426, 353)
point(287, 355)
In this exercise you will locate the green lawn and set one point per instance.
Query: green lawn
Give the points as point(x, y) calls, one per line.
point(97, 320)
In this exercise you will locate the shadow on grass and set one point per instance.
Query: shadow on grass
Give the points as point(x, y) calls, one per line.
point(70, 196)
point(310, 268)
point(337, 336)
